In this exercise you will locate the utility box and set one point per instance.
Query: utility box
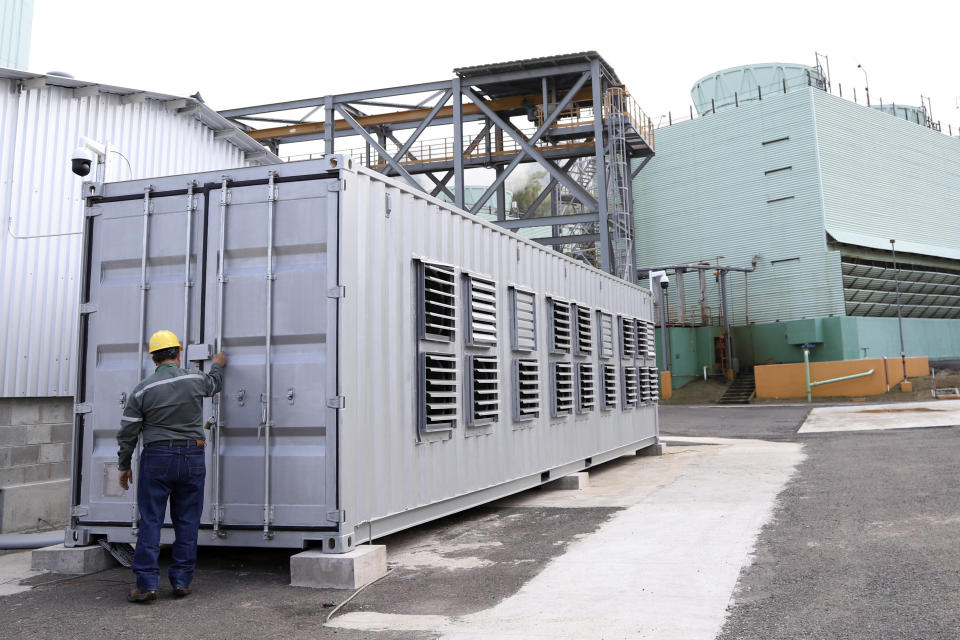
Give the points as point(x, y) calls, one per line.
point(805, 331)
point(391, 359)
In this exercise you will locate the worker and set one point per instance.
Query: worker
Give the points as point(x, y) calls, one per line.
point(167, 409)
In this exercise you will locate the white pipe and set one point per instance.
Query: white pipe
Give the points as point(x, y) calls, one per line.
point(30, 540)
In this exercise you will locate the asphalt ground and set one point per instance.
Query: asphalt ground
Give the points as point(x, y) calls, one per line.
point(863, 543)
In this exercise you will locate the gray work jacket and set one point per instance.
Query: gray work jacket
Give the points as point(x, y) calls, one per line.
point(166, 406)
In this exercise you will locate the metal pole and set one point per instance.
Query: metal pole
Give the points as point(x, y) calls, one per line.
point(600, 156)
point(267, 405)
point(896, 279)
point(187, 284)
point(458, 142)
point(866, 81)
point(806, 366)
point(216, 509)
point(726, 318)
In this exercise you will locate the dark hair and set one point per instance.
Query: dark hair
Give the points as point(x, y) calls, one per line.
point(170, 353)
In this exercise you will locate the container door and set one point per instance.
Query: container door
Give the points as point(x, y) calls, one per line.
point(287, 477)
point(135, 270)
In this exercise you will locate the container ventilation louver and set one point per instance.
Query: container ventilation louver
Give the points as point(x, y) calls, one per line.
point(481, 313)
point(484, 386)
point(628, 337)
point(606, 335)
point(438, 310)
point(438, 380)
point(609, 375)
point(651, 341)
point(630, 389)
point(654, 384)
point(560, 331)
point(586, 387)
point(527, 386)
point(562, 389)
point(584, 341)
point(524, 334)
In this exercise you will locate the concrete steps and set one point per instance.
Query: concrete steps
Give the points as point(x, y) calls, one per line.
point(741, 390)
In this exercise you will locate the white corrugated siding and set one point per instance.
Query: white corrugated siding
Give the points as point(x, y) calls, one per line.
point(16, 17)
point(885, 177)
point(42, 213)
point(707, 193)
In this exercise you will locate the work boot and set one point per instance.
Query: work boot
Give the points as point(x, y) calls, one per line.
point(181, 592)
point(143, 597)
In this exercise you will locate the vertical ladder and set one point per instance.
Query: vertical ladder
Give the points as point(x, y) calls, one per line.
point(618, 186)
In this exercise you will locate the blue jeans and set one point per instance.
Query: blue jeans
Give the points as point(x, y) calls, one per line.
point(177, 474)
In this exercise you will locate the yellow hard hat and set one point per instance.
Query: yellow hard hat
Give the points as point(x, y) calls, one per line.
point(163, 339)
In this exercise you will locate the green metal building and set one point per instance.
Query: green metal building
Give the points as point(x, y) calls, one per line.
point(811, 187)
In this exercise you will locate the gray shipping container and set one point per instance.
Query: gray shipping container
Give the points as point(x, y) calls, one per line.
point(392, 359)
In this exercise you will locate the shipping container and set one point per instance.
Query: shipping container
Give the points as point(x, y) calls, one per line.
point(391, 358)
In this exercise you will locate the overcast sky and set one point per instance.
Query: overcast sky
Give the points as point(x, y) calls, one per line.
point(240, 53)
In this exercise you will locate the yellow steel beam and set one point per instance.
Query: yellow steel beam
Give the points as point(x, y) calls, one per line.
point(398, 117)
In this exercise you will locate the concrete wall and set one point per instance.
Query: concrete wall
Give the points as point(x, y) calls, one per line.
point(691, 349)
point(885, 177)
point(845, 339)
point(743, 183)
point(789, 380)
point(35, 442)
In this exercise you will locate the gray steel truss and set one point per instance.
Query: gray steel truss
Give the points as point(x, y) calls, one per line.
point(581, 116)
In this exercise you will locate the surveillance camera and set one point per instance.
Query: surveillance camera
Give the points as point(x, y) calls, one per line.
point(664, 283)
point(81, 161)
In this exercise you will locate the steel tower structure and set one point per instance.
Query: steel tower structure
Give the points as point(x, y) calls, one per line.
point(569, 114)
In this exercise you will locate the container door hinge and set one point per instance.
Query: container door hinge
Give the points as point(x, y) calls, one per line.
point(337, 516)
point(83, 407)
point(337, 292)
point(88, 307)
point(337, 402)
point(80, 510)
point(337, 185)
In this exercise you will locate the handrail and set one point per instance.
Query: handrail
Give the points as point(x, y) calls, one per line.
point(810, 385)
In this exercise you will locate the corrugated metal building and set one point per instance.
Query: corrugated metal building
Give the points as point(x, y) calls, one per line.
point(41, 119)
point(16, 18)
point(812, 186)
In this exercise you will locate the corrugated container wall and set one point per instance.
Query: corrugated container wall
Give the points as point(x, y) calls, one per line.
point(16, 17)
point(744, 182)
point(42, 211)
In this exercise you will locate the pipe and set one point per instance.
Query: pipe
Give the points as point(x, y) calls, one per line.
point(186, 266)
point(216, 510)
point(141, 335)
point(30, 540)
point(268, 407)
point(810, 385)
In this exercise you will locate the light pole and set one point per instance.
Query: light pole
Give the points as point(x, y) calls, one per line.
point(866, 81)
point(896, 280)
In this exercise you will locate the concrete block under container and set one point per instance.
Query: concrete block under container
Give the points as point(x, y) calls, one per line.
point(350, 570)
point(574, 481)
point(26, 506)
point(71, 560)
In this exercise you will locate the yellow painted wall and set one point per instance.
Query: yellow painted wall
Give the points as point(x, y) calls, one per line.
point(789, 380)
point(666, 385)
